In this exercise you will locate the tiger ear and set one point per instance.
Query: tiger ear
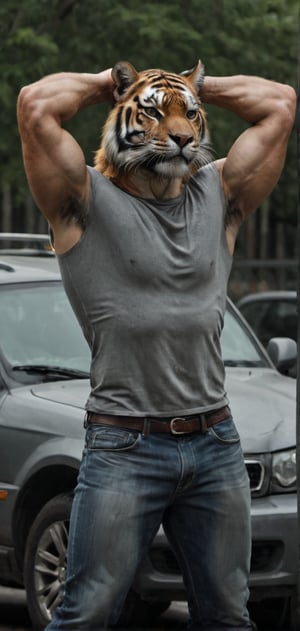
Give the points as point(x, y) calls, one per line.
point(124, 75)
point(195, 75)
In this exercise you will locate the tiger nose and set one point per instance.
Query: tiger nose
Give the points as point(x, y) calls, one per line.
point(181, 139)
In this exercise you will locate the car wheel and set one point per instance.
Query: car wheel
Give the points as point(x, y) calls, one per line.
point(45, 560)
point(45, 569)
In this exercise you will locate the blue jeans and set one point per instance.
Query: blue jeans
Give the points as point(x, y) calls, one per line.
point(128, 484)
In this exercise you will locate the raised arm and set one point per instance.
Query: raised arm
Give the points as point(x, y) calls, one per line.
point(54, 162)
point(255, 161)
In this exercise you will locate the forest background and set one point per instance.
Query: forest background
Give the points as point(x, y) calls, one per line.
point(258, 37)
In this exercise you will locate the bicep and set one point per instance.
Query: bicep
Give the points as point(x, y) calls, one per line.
point(254, 164)
point(55, 169)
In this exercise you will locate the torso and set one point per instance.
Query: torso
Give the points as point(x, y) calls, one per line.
point(152, 279)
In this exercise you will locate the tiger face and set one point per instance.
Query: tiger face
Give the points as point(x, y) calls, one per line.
point(157, 124)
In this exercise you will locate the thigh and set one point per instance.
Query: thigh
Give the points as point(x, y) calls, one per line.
point(209, 528)
point(114, 518)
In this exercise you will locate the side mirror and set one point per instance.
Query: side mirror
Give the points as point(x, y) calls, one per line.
point(283, 353)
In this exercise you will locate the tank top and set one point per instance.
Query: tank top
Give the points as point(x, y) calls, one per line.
point(147, 281)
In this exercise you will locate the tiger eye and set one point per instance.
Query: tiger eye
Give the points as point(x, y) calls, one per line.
point(191, 114)
point(152, 111)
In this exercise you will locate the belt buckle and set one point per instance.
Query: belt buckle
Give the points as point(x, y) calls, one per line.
point(173, 430)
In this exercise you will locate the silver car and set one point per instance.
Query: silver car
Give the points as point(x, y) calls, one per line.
point(44, 384)
point(271, 313)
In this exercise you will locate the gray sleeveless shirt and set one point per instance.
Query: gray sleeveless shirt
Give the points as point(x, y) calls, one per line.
point(147, 282)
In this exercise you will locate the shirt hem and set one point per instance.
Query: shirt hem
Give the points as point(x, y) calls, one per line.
point(158, 413)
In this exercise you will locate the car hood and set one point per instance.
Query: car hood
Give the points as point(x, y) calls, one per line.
point(73, 393)
point(262, 401)
point(263, 405)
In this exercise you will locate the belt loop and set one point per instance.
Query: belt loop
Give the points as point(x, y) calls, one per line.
point(86, 420)
point(146, 427)
point(203, 423)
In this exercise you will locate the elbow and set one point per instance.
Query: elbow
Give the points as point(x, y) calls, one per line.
point(287, 107)
point(29, 110)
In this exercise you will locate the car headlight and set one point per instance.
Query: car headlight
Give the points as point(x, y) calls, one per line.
point(284, 473)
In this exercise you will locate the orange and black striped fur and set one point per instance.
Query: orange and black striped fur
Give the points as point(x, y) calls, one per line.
point(157, 124)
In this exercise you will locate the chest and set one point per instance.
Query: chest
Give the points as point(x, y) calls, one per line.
point(149, 245)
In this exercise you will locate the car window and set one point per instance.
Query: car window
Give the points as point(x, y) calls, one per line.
point(252, 311)
point(238, 348)
point(37, 326)
point(276, 318)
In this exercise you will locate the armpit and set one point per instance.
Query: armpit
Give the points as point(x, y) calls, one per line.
point(73, 209)
point(233, 214)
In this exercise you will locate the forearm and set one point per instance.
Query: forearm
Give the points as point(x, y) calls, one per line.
point(251, 98)
point(61, 96)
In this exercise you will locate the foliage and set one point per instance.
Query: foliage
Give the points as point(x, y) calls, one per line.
point(230, 36)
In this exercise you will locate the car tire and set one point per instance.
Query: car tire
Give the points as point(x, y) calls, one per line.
point(45, 560)
point(45, 568)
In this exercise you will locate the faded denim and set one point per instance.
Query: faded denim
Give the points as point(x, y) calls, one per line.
point(197, 486)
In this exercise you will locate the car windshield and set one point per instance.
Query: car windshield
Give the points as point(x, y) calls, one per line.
point(238, 348)
point(39, 331)
point(40, 334)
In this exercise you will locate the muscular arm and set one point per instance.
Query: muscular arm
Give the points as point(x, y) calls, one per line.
point(255, 161)
point(54, 162)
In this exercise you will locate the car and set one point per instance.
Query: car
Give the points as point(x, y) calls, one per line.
point(44, 384)
point(272, 314)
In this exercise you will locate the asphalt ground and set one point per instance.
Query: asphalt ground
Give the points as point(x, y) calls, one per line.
point(14, 615)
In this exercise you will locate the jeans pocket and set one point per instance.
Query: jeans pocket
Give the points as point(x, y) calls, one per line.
point(225, 432)
point(107, 438)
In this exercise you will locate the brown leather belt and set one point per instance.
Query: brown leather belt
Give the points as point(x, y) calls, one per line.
point(177, 425)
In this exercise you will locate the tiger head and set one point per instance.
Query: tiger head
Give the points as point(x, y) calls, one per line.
point(157, 124)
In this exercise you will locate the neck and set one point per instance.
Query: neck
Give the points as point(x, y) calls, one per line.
point(150, 186)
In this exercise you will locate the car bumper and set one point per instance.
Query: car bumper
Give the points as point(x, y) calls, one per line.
point(274, 555)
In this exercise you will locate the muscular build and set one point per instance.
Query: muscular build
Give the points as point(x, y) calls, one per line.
point(148, 284)
point(55, 164)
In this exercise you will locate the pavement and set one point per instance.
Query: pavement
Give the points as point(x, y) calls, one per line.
point(13, 612)
point(14, 616)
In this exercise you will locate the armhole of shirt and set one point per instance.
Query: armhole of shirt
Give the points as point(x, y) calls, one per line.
point(213, 167)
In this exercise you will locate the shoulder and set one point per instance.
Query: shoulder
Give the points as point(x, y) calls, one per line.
point(96, 178)
point(208, 173)
point(209, 179)
point(101, 188)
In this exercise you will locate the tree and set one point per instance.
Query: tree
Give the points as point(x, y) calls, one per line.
point(231, 36)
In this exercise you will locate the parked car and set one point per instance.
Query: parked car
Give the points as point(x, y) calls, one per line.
point(44, 383)
point(272, 314)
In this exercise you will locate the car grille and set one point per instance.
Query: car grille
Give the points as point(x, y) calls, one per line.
point(265, 556)
point(256, 473)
